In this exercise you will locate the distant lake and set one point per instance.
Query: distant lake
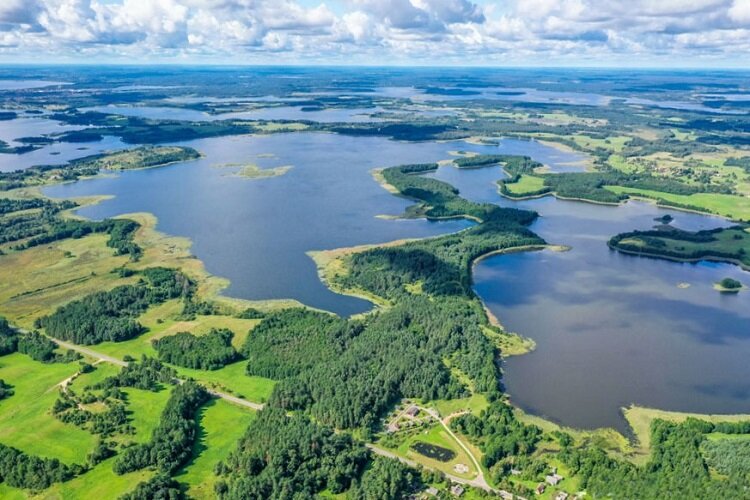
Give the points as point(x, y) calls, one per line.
point(28, 84)
point(610, 329)
point(272, 113)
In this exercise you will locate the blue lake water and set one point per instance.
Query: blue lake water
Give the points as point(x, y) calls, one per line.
point(271, 113)
point(610, 329)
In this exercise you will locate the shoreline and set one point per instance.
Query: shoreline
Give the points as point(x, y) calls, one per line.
point(696, 260)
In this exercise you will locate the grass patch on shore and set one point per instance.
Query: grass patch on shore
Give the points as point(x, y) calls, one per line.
point(526, 184)
point(640, 420)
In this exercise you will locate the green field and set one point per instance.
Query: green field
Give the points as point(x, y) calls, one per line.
point(435, 435)
point(234, 380)
point(731, 206)
point(222, 424)
point(526, 185)
point(25, 419)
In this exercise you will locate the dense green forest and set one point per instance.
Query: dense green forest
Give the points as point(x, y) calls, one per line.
point(110, 316)
point(730, 457)
point(677, 468)
point(210, 351)
point(20, 470)
point(283, 457)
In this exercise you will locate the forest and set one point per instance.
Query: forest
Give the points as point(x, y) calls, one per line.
point(677, 468)
point(172, 441)
point(110, 316)
point(210, 351)
point(283, 457)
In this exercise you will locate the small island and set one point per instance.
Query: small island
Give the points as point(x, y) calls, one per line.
point(253, 171)
point(728, 285)
point(664, 219)
point(729, 244)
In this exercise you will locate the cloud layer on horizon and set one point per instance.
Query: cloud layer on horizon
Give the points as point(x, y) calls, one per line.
point(550, 32)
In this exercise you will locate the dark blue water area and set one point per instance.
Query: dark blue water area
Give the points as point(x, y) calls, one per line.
point(257, 232)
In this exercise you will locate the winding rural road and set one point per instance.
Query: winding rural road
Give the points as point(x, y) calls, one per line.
point(479, 481)
point(109, 359)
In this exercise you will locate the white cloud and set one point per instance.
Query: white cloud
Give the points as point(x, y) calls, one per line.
point(378, 31)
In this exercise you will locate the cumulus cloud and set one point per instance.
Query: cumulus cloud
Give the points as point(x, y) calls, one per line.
point(379, 31)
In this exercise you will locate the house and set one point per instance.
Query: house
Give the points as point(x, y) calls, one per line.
point(515, 472)
point(561, 496)
point(432, 491)
point(412, 411)
point(506, 495)
point(540, 488)
point(553, 479)
point(393, 427)
point(457, 490)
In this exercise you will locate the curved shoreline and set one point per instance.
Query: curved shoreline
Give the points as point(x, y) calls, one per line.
point(688, 260)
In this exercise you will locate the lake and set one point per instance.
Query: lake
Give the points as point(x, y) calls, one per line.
point(610, 329)
point(257, 232)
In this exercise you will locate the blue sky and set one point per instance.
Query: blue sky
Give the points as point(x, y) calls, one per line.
point(642, 33)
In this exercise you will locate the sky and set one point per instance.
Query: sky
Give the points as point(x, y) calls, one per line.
point(607, 33)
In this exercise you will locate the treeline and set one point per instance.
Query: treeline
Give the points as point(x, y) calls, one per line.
point(500, 436)
point(677, 468)
point(32, 230)
point(33, 344)
point(110, 315)
point(439, 199)
point(6, 390)
point(204, 352)
point(137, 130)
point(173, 439)
point(19, 470)
point(149, 374)
point(159, 487)
point(10, 205)
point(141, 157)
point(283, 457)
point(40, 348)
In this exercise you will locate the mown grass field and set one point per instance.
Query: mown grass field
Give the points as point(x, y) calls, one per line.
point(25, 419)
point(222, 424)
point(98, 483)
point(730, 206)
point(527, 184)
point(437, 435)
